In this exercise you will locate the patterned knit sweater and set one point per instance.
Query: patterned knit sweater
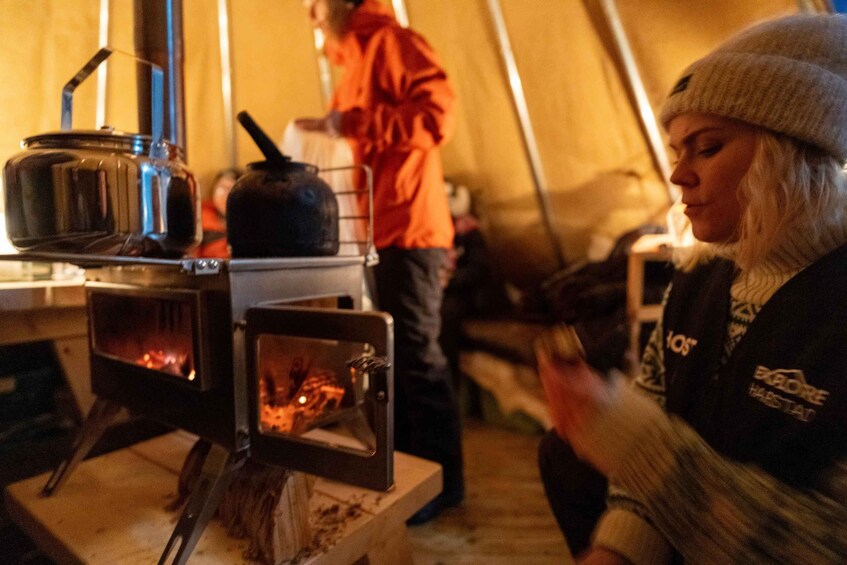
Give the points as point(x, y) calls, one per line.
point(655, 462)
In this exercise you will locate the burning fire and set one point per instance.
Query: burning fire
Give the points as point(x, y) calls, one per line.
point(177, 364)
point(319, 394)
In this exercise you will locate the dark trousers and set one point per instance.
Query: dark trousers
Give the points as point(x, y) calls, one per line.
point(575, 491)
point(426, 414)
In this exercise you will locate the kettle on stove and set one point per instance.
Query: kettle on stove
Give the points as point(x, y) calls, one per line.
point(102, 192)
point(280, 207)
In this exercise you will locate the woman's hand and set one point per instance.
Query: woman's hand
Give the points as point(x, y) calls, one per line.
point(578, 398)
point(575, 393)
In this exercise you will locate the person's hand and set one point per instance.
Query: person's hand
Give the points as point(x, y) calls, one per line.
point(577, 397)
point(601, 556)
point(575, 394)
point(447, 268)
point(310, 124)
point(329, 124)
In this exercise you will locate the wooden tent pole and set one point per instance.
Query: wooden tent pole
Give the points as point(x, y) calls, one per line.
point(225, 42)
point(400, 12)
point(636, 85)
point(324, 70)
point(529, 140)
point(102, 76)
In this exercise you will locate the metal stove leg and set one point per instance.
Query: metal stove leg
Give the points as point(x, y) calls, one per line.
point(201, 506)
point(98, 419)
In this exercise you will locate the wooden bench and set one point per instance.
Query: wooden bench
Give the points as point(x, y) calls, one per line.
point(112, 511)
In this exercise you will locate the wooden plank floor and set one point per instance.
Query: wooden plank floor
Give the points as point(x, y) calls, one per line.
point(505, 519)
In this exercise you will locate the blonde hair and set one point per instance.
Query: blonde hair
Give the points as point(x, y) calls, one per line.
point(791, 187)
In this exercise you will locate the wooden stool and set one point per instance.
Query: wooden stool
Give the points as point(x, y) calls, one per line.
point(112, 511)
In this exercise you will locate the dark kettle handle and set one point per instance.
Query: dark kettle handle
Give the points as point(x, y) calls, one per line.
point(266, 146)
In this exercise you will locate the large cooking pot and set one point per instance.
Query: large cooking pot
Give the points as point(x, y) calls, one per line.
point(280, 208)
point(102, 192)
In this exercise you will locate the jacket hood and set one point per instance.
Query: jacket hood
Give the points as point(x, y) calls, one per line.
point(364, 21)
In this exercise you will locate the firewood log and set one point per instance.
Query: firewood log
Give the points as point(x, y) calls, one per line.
point(266, 504)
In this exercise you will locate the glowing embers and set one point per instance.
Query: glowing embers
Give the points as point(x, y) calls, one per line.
point(177, 364)
point(307, 383)
point(154, 332)
point(296, 402)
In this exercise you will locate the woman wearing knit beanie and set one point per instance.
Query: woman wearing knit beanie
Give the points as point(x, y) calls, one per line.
point(731, 445)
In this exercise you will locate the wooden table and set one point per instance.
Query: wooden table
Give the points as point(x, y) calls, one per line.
point(111, 511)
point(51, 310)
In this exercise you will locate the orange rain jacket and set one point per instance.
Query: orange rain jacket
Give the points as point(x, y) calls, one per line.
point(398, 107)
point(214, 242)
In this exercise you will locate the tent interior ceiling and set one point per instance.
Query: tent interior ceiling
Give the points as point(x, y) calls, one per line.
point(601, 178)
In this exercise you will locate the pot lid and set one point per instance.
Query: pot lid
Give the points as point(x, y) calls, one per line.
point(104, 138)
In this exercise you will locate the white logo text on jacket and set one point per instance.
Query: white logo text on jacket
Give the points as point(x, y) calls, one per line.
point(786, 390)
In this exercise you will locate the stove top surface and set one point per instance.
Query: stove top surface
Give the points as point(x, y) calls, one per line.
point(192, 264)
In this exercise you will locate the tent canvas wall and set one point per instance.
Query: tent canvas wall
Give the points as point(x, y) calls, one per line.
point(601, 175)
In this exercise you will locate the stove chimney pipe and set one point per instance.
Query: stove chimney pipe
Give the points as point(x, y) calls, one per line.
point(159, 39)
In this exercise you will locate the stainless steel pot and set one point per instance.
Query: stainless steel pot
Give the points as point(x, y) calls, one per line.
point(102, 192)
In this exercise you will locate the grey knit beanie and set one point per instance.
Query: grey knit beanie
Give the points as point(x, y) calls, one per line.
point(788, 75)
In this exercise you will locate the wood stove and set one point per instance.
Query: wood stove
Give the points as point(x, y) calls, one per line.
point(268, 358)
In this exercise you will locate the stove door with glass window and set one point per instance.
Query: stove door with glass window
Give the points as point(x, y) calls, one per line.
point(320, 391)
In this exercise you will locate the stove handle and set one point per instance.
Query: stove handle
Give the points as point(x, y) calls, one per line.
point(377, 368)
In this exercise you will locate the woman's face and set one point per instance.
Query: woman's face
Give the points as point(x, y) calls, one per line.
point(713, 154)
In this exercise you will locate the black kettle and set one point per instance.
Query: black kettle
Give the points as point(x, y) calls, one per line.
point(279, 207)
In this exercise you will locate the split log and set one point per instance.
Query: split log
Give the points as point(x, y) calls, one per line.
point(266, 504)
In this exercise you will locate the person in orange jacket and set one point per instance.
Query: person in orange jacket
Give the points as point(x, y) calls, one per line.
point(396, 107)
point(213, 215)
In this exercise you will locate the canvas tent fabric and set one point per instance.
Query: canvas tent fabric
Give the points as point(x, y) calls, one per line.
point(601, 176)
